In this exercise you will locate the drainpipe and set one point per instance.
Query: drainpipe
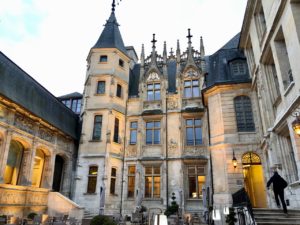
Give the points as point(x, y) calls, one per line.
point(123, 160)
point(167, 162)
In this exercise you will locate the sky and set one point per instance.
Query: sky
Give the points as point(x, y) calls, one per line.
point(50, 39)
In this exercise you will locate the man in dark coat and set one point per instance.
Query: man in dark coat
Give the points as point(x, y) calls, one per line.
point(279, 184)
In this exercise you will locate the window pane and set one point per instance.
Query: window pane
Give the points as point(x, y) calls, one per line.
point(150, 95)
point(150, 86)
point(148, 187)
point(197, 122)
point(157, 86)
point(198, 134)
point(195, 82)
point(148, 170)
point(98, 118)
point(68, 103)
point(187, 92)
point(119, 91)
point(148, 136)
point(131, 184)
point(187, 83)
point(112, 185)
point(116, 131)
point(113, 172)
point(189, 136)
point(157, 95)
point(133, 136)
point(103, 58)
point(189, 122)
point(196, 92)
point(133, 125)
point(131, 170)
point(192, 187)
point(156, 191)
point(201, 181)
point(93, 170)
point(92, 183)
point(156, 170)
point(157, 124)
point(101, 87)
point(149, 124)
point(156, 137)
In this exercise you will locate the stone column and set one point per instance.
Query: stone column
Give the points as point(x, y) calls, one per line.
point(66, 181)
point(4, 148)
point(48, 172)
point(27, 165)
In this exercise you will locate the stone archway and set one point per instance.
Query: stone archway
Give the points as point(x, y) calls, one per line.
point(254, 179)
point(58, 173)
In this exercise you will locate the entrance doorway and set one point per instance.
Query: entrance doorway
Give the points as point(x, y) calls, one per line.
point(254, 180)
point(58, 173)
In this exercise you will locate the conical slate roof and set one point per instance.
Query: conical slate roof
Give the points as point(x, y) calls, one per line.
point(111, 36)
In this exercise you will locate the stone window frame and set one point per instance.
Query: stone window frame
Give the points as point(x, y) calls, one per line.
point(131, 177)
point(193, 126)
point(97, 138)
point(92, 177)
point(153, 129)
point(196, 175)
point(191, 87)
point(103, 59)
point(113, 180)
point(244, 113)
point(133, 129)
point(153, 175)
point(101, 90)
point(154, 90)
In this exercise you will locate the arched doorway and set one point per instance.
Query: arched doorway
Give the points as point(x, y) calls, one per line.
point(254, 179)
point(58, 173)
point(38, 167)
point(14, 163)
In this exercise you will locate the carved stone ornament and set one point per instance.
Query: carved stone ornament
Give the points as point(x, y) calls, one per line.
point(63, 142)
point(46, 135)
point(24, 123)
point(172, 104)
point(191, 74)
point(194, 151)
point(172, 146)
point(131, 151)
point(153, 77)
point(2, 113)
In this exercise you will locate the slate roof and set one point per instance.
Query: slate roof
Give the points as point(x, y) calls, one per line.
point(218, 69)
point(71, 95)
point(218, 65)
point(19, 87)
point(111, 36)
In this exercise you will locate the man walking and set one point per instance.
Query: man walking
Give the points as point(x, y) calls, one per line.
point(279, 184)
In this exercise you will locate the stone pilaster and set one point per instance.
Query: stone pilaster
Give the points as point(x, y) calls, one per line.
point(27, 166)
point(48, 172)
point(5, 144)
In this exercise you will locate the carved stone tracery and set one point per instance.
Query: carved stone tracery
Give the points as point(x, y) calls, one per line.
point(24, 123)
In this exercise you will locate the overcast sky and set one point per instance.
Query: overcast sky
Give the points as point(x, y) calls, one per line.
point(50, 39)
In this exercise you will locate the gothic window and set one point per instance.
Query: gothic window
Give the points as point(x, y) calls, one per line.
point(133, 132)
point(13, 163)
point(92, 179)
point(119, 91)
point(39, 160)
point(121, 63)
point(131, 181)
point(153, 91)
point(116, 131)
point(196, 181)
point(243, 113)
point(191, 88)
point(97, 127)
point(113, 178)
point(101, 87)
point(193, 129)
point(152, 132)
point(152, 181)
point(103, 58)
point(238, 68)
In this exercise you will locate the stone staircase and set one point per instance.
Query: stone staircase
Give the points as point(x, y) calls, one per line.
point(276, 216)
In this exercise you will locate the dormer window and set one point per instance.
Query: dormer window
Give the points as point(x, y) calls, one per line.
point(153, 91)
point(238, 68)
point(191, 88)
point(103, 58)
point(121, 63)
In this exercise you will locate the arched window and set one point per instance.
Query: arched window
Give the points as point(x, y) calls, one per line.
point(13, 164)
point(251, 158)
point(92, 179)
point(39, 160)
point(243, 113)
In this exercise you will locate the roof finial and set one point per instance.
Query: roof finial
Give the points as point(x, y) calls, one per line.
point(114, 5)
point(171, 52)
point(189, 36)
point(153, 41)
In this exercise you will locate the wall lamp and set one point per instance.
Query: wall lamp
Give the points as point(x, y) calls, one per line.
point(296, 123)
point(234, 160)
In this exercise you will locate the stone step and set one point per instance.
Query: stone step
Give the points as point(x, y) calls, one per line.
point(276, 216)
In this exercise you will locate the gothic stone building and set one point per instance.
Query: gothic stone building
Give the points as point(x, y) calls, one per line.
point(169, 123)
point(38, 144)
